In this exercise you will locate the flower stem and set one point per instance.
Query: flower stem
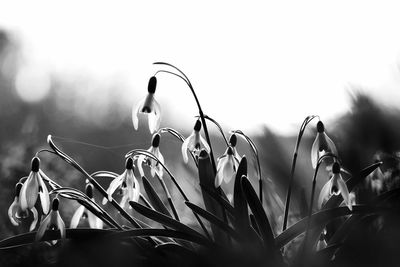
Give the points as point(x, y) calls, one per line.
point(202, 117)
point(306, 121)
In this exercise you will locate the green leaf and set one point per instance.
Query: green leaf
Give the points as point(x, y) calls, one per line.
point(260, 216)
point(214, 220)
point(164, 220)
point(29, 238)
point(321, 218)
point(207, 182)
point(154, 199)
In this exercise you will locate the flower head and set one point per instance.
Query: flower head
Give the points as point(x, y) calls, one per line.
point(16, 214)
point(226, 167)
point(150, 106)
point(322, 144)
point(83, 213)
point(53, 221)
point(33, 188)
point(335, 186)
point(194, 142)
point(127, 183)
point(232, 143)
point(155, 167)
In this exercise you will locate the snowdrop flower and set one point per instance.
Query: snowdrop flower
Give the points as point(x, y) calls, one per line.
point(375, 181)
point(53, 221)
point(321, 244)
point(226, 167)
point(33, 188)
point(194, 142)
point(150, 106)
point(127, 183)
point(16, 214)
point(232, 143)
point(155, 167)
point(83, 213)
point(322, 144)
point(335, 186)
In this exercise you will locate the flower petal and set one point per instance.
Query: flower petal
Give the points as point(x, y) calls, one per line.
point(44, 195)
point(60, 225)
point(185, 146)
point(76, 217)
point(29, 191)
point(114, 185)
point(135, 112)
point(94, 221)
point(35, 219)
point(345, 192)
point(43, 227)
point(314, 152)
point(155, 117)
point(325, 193)
point(12, 210)
point(140, 160)
point(331, 145)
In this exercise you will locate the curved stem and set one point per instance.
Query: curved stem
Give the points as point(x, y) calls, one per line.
point(151, 155)
point(93, 181)
point(179, 136)
point(306, 121)
point(219, 128)
point(203, 121)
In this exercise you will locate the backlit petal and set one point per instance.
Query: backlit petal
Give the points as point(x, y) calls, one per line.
point(155, 117)
point(331, 145)
point(94, 221)
point(135, 112)
point(345, 192)
point(43, 227)
point(44, 196)
point(12, 210)
point(314, 152)
point(205, 144)
point(185, 148)
point(114, 185)
point(35, 219)
point(139, 163)
point(29, 192)
point(77, 217)
point(324, 194)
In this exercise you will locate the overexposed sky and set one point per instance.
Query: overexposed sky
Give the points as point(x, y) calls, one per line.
point(251, 62)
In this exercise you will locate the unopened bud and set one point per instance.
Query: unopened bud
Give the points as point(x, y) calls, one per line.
point(156, 140)
point(336, 168)
point(18, 187)
point(89, 190)
point(54, 205)
point(35, 164)
point(320, 127)
point(197, 126)
point(151, 88)
point(129, 164)
point(233, 140)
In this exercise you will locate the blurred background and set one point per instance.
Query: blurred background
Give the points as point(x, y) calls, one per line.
point(74, 69)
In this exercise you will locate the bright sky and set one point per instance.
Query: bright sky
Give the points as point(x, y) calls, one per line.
point(252, 62)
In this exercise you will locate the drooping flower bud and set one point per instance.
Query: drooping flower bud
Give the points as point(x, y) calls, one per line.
point(197, 126)
point(151, 88)
point(320, 127)
point(35, 164)
point(18, 187)
point(89, 190)
point(55, 204)
point(129, 164)
point(156, 140)
point(233, 140)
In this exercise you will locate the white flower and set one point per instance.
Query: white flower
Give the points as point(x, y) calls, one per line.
point(150, 106)
point(335, 186)
point(16, 214)
point(127, 183)
point(33, 188)
point(322, 144)
point(375, 181)
point(53, 221)
point(321, 244)
point(83, 213)
point(155, 167)
point(226, 167)
point(194, 142)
